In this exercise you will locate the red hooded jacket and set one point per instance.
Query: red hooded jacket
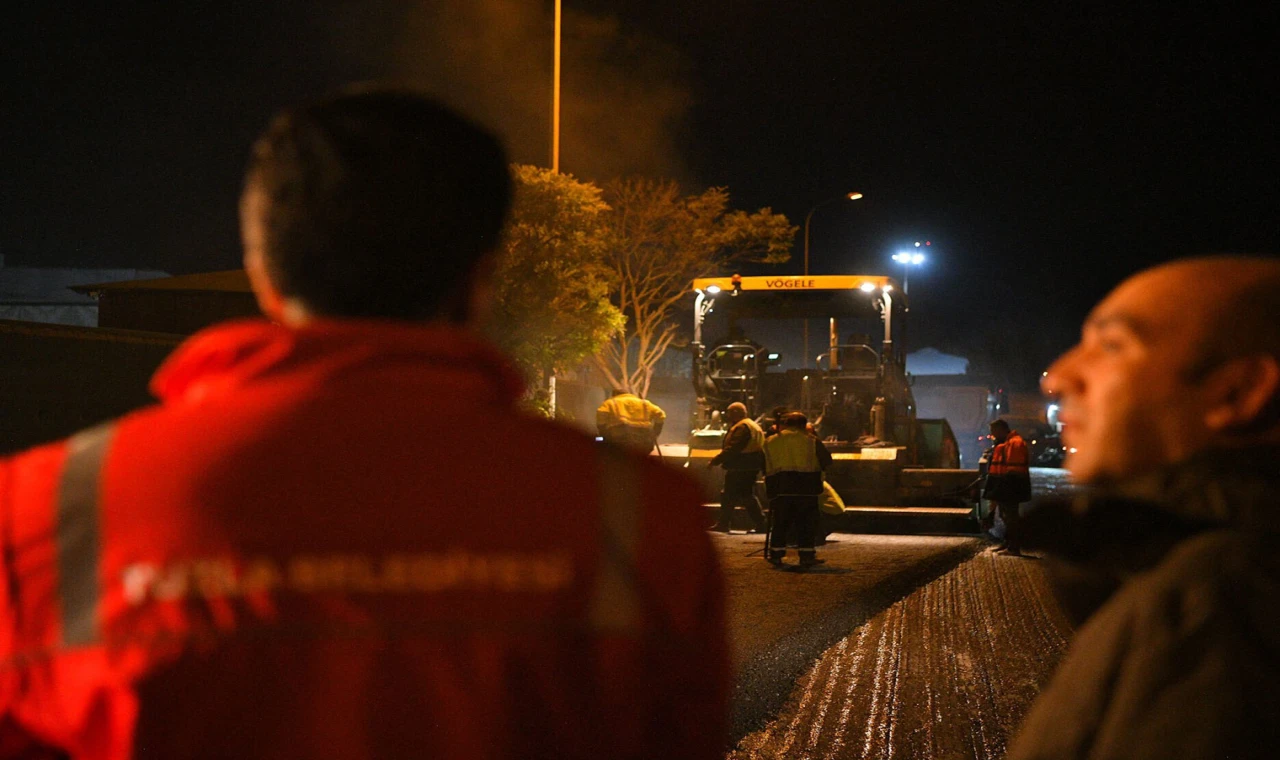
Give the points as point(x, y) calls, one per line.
point(343, 541)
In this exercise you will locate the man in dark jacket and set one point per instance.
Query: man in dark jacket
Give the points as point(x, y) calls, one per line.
point(1009, 482)
point(742, 457)
point(1171, 412)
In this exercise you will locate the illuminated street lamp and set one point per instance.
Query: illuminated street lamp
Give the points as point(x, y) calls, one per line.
point(909, 259)
point(852, 196)
point(849, 196)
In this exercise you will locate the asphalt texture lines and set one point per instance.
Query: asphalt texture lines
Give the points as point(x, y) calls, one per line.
point(946, 672)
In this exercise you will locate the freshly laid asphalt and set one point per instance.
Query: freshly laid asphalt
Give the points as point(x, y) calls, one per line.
point(780, 621)
point(898, 646)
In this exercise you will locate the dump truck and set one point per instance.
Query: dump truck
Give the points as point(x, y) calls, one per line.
point(892, 468)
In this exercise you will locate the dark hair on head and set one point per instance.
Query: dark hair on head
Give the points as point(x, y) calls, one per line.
point(378, 202)
point(795, 420)
point(1000, 425)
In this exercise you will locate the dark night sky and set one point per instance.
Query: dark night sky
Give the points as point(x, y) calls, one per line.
point(1046, 151)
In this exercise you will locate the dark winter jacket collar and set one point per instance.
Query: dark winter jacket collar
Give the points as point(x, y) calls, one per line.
point(236, 354)
point(1098, 539)
point(1229, 487)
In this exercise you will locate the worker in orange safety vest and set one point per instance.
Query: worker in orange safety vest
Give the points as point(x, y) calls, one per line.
point(283, 559)
point(1008, 482)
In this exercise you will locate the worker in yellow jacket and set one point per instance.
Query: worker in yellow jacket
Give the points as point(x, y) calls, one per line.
point(793, 465)
point(627, 420)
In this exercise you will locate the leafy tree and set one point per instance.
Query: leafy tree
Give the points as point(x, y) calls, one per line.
point(551, 301)
point(658, 241)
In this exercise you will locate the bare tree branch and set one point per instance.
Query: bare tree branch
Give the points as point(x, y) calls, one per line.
point(658, 241)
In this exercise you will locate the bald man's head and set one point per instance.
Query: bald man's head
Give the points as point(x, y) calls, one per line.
point(1241, 308)
point(1181, 357)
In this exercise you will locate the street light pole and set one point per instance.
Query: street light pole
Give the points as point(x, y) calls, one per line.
point(555, 96)
point(808, 217)
point(853, 196)
point(555, 152)
point(908, 259)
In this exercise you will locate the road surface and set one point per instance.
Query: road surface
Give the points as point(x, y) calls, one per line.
point(900, 647)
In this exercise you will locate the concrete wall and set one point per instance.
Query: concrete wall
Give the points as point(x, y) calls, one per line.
point(55, 379)
point(172, 311)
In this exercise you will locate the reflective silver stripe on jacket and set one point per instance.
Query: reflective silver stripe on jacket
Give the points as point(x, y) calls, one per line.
point(79, 540)
point(615, 604)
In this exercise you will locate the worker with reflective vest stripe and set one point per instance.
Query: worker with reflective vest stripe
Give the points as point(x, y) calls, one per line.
point(627, 420)
point(285, 558)
point(794, 461)
point(1008, 482)
point(742, 457)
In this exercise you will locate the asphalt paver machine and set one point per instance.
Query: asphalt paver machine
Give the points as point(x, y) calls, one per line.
point(855, 390)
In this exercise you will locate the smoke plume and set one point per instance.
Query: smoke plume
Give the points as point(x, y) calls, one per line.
point(622, 96)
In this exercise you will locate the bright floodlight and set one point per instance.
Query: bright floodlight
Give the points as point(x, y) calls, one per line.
point(902, 257)
point(867, 287)
point(854, 196)
point(713, 289)
point(917, 259)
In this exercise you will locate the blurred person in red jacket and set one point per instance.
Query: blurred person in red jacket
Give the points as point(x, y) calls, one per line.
point(288, 558)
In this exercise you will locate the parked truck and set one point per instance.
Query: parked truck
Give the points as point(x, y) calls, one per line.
point(968, 403)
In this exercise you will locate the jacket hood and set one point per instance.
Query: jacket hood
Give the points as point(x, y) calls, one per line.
point(228, 356)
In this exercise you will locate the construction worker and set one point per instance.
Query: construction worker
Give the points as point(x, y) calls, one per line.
point(794, 461)
point(772, 424)
point(627, 420)
point(283, 560)
point(742, 457)
point(1008, 483)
